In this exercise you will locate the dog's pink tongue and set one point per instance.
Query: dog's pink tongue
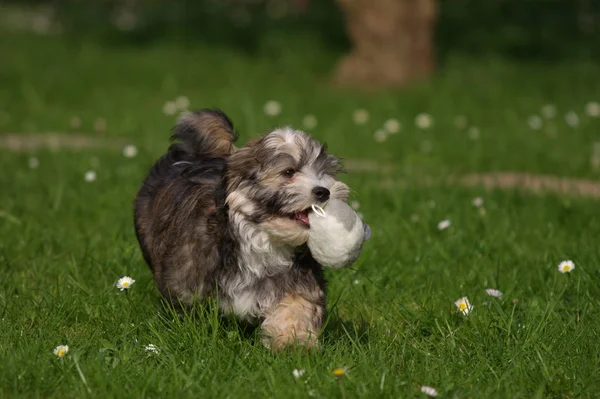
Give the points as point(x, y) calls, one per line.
point(302, 216)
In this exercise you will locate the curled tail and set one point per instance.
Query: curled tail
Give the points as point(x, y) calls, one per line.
point(202, 134)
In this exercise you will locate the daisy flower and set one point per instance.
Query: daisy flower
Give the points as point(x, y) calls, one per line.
point(429, 391)
point(592, 109)
point(33, 163)
point(534, 122)
point(356, 282)
point(566, 266)
point(152, 348)
point(170, 108)
point(477, 202)
point(461, 122)
point(360, 116)
point(474, 133)
point(90, 176)
point(272, 108)
point(182, 103)
point(130, 151)
point(61, 350)
point(100, 125)
point(548, 111)
point(392, 126)
point(426, 146)
point(572, 119)
point(464, 305)
point(125, 283)
point(298, 373)
point(380, 136)
point(443, 225)
point(423, 121)
point(494, 293)
point(309, 121)
point(355, 204)
point(75, 122)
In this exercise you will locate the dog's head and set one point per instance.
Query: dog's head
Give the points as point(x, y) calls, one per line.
point(273, 181)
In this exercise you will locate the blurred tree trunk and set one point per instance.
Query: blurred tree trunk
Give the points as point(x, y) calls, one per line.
point(392, 42)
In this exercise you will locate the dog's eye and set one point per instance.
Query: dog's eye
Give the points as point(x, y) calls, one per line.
point(289, 172)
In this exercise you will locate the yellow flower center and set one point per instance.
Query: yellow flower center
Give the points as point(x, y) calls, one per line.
point(462, 306)
point(61, 352)
point(338, 372)
point(125, 284)
point(566, 268)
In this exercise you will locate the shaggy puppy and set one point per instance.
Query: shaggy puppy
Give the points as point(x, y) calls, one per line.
point(214, 220)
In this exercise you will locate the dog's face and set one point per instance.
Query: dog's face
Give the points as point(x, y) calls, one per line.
point(274, 181)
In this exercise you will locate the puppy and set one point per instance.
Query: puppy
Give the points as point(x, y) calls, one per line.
point(216, 221)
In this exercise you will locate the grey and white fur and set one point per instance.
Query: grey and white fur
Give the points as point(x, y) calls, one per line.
point(218, 221)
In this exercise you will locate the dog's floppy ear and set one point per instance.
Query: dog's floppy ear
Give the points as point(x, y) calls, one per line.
point(204, 134)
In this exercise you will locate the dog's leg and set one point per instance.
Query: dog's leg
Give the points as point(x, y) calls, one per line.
point(294, 320)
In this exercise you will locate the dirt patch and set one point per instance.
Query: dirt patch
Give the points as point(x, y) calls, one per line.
point(536, 184)
point(57, 141)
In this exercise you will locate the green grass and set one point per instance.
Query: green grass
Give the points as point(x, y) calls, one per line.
point(392, 323)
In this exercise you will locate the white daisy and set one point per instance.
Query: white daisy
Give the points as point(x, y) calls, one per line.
point(33, 163)
point(548, 111)
point(477, 202)
point(125, 283)
point(298, 373)
point(360, 116)
point(392, 126)
point(100, 125)
point(152, 348)
point(182, 103)
point(572, 119)
point(75, 122)
point(423, 121)
point(130, 151)
point(426, 146)
point(355, 204)
point(380, 135)
point(309, 121)
point(61, 350)
point(356, 282)
point(90, 176)
point(461, 122)
point(534, 122)
point(429, 391)
point(170, 108)
point(443, 225)
point(464, 305)
point(566, 266)
point(493, 292)
point(474, 133)
point(272, 108)
point(592, 109)
point(125, 20)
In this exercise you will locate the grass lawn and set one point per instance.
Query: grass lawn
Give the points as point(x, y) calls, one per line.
point(393, 323)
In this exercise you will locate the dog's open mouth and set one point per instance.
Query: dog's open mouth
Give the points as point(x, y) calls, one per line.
point(301, 217)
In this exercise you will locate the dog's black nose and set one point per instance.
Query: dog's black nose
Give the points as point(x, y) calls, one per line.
point(321, 193)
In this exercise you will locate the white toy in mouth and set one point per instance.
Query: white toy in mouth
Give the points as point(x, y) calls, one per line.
point(337, 234)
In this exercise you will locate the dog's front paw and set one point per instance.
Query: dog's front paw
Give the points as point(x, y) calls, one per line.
point(293, 321)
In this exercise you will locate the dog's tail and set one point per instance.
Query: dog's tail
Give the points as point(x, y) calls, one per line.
point(202, 134)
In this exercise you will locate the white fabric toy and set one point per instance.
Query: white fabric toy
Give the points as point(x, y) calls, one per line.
point(336, 234)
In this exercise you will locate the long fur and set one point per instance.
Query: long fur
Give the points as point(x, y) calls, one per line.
point(213, 220)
